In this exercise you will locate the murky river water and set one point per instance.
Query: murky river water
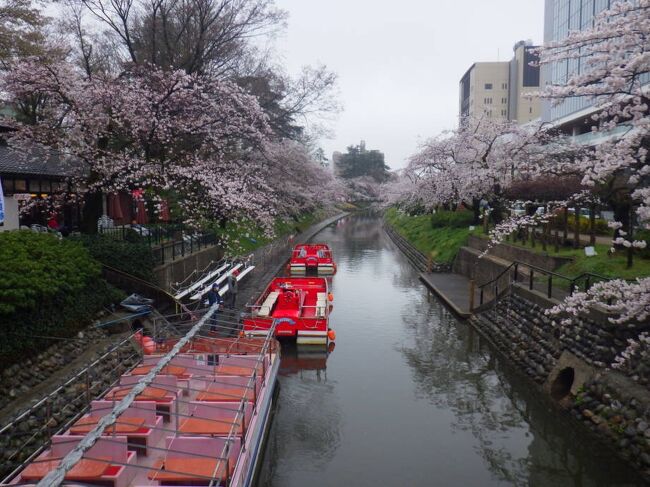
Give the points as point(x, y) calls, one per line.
point(412, 397)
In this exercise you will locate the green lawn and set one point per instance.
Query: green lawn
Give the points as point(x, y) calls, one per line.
point(442, 244)
point(614, 266)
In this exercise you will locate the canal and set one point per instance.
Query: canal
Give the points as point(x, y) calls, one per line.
point(410, 396)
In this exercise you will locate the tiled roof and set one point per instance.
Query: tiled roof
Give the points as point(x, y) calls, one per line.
point(38, 161)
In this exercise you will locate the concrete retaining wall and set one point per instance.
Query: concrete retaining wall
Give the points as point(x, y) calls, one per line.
point(177, 270)
point(512, 253)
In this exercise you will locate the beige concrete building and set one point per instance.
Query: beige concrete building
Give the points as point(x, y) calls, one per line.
point(498, 89)
point(484, 90)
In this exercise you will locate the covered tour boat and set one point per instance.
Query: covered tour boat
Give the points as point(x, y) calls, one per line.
point(312, 259)
point(200, 420)
point(297, 307)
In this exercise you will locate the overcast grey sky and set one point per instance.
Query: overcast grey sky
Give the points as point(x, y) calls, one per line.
point(399, 62)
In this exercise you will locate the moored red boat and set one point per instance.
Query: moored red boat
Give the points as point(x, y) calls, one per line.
point(312, 258)
point(298, 307)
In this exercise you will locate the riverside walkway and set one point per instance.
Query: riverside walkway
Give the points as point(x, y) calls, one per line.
point(453, 289)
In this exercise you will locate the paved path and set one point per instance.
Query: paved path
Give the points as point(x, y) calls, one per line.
point(453, 289)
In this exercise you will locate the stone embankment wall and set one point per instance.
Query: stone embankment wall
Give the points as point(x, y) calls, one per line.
point(572, 364)
point(470, 264)
point(177, 270)
point(417, 258)
point(512, 252)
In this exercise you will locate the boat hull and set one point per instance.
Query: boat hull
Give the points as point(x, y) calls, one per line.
point(251, 460)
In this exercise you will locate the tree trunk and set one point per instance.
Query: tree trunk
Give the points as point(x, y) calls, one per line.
point(476, 210)
point(592, 224)
point(92, 211)
point(576, 230)
point(630, 237)
point(565, 234)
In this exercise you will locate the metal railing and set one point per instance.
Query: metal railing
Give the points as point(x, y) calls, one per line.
point(167, 242)
point(539, 279)
point(89, 381)
point(185, 246)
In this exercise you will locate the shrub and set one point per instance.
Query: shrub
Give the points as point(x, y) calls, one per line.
point(37, 266)
point(585, 227)
point(134, 258)
point(48, 288)
point(452, 219)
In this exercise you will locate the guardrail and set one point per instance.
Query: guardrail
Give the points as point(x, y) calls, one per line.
point(167, 242)
point(185, 246)
point(548, 284)
point(31, 430)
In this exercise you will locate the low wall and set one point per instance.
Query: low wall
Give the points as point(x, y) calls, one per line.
point(514, 253)
point(468, 264)
point(177, 270)
point(572, 363)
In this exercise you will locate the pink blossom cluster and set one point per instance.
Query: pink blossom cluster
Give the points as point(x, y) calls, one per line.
point(201, 140)
point(637, 350)
point(628, 302)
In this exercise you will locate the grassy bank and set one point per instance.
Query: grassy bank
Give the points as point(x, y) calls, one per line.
point(442, 244)
point(614, 266)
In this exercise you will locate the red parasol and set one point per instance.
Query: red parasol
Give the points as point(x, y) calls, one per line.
point(114, 207)
point(141, 214)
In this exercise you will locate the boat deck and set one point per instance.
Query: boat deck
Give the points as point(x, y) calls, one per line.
point(200, 422)
point(295, 305)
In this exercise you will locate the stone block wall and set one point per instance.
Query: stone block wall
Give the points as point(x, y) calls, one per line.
point(522, 332)
point(615, 405)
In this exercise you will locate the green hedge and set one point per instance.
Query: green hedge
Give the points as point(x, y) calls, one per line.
point(130, 256)
point(48, 288)
point(452, 219)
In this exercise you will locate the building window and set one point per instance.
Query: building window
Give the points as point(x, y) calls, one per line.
point(530, 110)
point(504, 101)
point(487, 101)
point(504, 86)
point(20, 185)
point(8, 186)
point(488, 86)
point(503, 113)
point(34, 186)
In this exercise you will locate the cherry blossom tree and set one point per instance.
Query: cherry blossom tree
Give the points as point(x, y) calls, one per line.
point(615, 55)
point(162, 131)
point(298, 182)
point(477, 161)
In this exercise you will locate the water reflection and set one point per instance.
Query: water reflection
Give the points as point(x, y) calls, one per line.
point(412, 397)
